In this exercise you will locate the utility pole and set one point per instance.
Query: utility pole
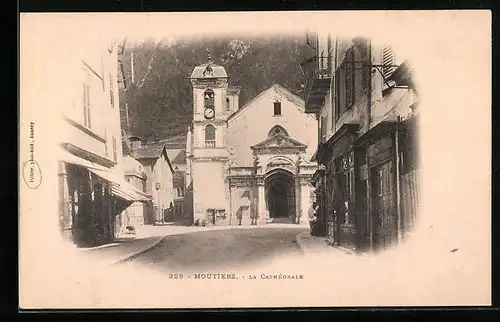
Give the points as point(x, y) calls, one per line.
point(398, 181)
point(126, 116)
point(132, 66)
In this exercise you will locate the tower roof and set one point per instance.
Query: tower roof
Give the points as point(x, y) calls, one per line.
point(209, 70)
point(233, 90)
point(132, 166)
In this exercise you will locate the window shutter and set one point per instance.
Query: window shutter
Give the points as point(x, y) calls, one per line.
point(323, 127)
point(365, 57)
point(359, 68)
point(329, 53)
point(349, 78)
point(340, 92)
point(335, 96)
point(387, 61)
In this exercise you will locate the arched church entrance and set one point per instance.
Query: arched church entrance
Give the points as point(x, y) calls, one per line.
point(280, 195)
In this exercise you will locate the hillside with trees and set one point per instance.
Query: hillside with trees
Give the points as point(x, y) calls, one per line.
point(158, 96)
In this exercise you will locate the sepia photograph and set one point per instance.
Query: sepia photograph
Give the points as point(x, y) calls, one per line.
point(177, 160)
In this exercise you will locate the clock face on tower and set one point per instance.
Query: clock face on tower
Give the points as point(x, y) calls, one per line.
point(209, 113)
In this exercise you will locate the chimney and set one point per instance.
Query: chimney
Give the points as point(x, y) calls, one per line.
point(135, 142)
point(151, 137)
point(233, 95)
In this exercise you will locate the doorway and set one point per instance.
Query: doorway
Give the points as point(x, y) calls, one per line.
point(383, 214)
point(280, 196)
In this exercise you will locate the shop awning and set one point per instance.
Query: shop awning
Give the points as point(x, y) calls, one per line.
point(69, 157)
point(120, 187)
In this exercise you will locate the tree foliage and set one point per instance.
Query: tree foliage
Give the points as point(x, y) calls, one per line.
point(160, 98)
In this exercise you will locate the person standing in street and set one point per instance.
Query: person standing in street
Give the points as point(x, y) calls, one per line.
point(312, 216)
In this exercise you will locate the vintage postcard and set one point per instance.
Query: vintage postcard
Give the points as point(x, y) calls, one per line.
point(255, 159)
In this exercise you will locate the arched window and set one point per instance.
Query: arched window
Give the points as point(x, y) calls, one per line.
point(210, 136)
point(277, 130)
point(228, 104)
point(208, 96)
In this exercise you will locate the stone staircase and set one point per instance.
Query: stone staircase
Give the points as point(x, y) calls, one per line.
point(280, 221)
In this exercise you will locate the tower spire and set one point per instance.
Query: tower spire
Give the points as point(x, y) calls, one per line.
point(209, 53)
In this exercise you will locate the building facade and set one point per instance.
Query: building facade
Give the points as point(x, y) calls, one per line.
point(176, 151)
point(92, 190)
point(178, 160)
point(136, 214)
point(251, 164)
point(365, 104)
point(159, 178)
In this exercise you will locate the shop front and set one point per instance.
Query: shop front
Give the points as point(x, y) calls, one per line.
point(319, 183)
point(340, 157)
point(410, 188)
point(90, 200)
point(87, 209)
point(384, 217)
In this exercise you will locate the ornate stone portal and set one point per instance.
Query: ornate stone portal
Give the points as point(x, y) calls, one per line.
point(277, 184)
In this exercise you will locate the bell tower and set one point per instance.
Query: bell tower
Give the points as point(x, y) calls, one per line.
point(209, 151)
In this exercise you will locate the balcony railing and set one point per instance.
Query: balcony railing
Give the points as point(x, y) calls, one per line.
point(323, 67)
point(210, 144)
point(318, 81)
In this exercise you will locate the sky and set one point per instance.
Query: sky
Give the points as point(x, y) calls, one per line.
point(385, 26)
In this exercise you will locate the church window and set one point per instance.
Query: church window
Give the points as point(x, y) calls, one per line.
point(277, 130)
point(277, 108)
point(209, 98)
point(210, 136)
point(208, 71)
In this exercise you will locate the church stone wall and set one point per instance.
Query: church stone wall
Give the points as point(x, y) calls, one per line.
point(306, 190)
point(209, 187)
point(240, 205)
point(254, 121)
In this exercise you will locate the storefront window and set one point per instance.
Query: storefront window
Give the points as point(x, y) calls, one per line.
point(69, 219)
point(346, 165)
point(380, 183)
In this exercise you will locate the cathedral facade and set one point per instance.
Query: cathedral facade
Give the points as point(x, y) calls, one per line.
point(248, 165)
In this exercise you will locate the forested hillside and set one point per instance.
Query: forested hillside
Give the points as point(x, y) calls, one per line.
point(159, 95)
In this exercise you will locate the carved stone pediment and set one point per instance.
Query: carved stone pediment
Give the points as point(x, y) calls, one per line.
point(240, 182)
point(280, 163)
point(305, 179)
point(241, 171)
point(279, 141)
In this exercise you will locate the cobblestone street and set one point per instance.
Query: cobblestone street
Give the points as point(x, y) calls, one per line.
point(223, 249)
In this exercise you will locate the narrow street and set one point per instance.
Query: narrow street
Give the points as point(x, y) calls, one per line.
point(226, 249)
